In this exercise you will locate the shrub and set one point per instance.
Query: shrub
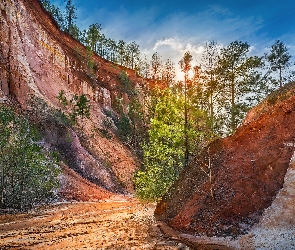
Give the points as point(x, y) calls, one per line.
point(28, 173)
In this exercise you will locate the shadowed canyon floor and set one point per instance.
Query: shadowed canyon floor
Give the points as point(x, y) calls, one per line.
point(113, 224)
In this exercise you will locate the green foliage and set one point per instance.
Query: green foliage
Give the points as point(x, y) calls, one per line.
point(209, 83)
point(279, 60)
point(133, 53)
point(75, 32)
point(61, 118)
point(153, 183)
point(156, 65)
point(65, 20)
point(62, 99)
point(56, 13)
point(236, 71)
point(139, 125)
point(118, 105)
point(79, 107)
point(124, 80)
point(105, 133)
point(82, 107)
point(90, 63)
point(28, 173)
point(163, 154)
point(93, 36)
point(70, 16)
point(124, 128)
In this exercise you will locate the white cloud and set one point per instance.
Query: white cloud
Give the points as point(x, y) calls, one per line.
point(178, 32)
point(171, 42)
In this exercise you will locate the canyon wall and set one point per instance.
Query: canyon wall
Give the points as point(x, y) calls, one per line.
point(37, 61)
point(248, 170)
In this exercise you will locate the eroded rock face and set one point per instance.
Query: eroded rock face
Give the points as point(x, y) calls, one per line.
point(248, 170)
point(37, 61)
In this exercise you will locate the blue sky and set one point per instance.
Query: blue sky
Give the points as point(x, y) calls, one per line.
point(172, 27)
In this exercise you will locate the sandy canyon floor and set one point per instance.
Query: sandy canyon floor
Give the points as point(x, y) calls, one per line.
point(113, 224)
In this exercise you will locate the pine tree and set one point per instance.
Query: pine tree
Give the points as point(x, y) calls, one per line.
point(71, 16)
point(121, 47)
point(156, 64)
point(168, 73)
point(236, 71)
point(279, 59)
point(55, 12)
point(93, 36)
point(185, 65)
point(145, 68)
point(209, 77)
point(133, 54)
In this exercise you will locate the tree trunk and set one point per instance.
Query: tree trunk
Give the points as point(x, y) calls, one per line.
point(186, 153)
point(280, 77)
point(233, 125)
point(211, 103)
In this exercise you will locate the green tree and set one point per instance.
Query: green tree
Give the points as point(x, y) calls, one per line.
point(62, 98)
point(112, 50)
point(121, 47)
point(101, 46)
point(83, 108)
point(185, 65)
point(125, 129)
point(236, 71)
point(93, 36)
point(55, 12)
point(80, 108)
point(163, 154)
point(76, 33)
point(134, 54)
point(78, 104)
point(210, 83)
point(70, 16)
point(89, 62)
point(58, 16)
point(279, 59)
point(168, 73)
point(46, 4)
point(28, 174)
point(126, 84)
point(145, 68)
point(156, 65)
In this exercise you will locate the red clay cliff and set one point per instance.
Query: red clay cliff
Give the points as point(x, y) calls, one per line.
point(248, 170)
point(37, 61)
